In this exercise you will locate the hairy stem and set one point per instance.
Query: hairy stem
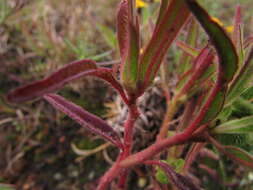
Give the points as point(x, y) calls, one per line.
point(128, 139)
point(116, 169)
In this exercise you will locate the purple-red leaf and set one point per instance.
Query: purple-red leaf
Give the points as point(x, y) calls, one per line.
point(129, 41)
point(227, 67)
point(122, 29)
point(180, 181)
point(84, 118)
point(53, 82)
point(64, 75)
point(201, 64)
point(165, 33)
point(106, 74)
point(236, 36)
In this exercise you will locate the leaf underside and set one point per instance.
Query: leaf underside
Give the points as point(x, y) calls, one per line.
point(84, 118)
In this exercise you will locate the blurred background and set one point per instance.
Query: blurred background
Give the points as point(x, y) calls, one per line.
point(39, 147)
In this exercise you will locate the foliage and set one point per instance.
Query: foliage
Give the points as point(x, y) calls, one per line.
point(214, 86)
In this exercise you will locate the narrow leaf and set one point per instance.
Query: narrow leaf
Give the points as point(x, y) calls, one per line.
point(191, 41)
point(106, 74)
point(53, 82)
point(237, 24)
point(180, 181)
point(242, 107)
point(227, 61)
point(165, 33)
point(84, 118)
point(200, 65)
point(108, 35)
point(122, 29)
point(162, 12)
point(248, 42)
point(224, 46)
point(188, 50)
point(64, 75)
point(242, 80)
point(239, 155)
point(128, 38)
point(247, 94)
point(237, 126)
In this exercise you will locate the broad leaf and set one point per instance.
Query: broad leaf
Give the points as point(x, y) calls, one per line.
point(237, 126)
point(180, 181)
point(84, 118)
point(53, 82)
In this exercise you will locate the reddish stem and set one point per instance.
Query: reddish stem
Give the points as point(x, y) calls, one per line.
point(178, 138)
point(110, 174)
point(116, 169)
point(128, 139)
point(192, 155)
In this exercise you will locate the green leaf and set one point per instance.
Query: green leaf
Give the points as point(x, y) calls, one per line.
point(224, 114)
point(242, 107)
point(215, 107)
point(228, 60)
point(191, 41)
point(108, 35)
point(168, 26)
point(240, 140)
point(242, 80)
point(129, 42)
point(6, 187)
point(178, 165)
point(161, 176)
point(239, 155)
point(248, 93)
point(237, 126)
point(224, 46)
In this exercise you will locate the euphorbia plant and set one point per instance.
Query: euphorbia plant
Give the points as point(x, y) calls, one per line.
point(205, 88)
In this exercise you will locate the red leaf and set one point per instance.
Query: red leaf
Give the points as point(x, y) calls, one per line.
point(122, 29)
point(106, 74)
point(236, 36)
point(165, 33)
point(64, 75)
point(53, 82)
point(180, 181)
point(84, 118)
point(129, 41)
point(201, 63)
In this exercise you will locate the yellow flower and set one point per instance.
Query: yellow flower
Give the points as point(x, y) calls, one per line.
point(217, 21)
point(229, 29)
point(140, 4)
